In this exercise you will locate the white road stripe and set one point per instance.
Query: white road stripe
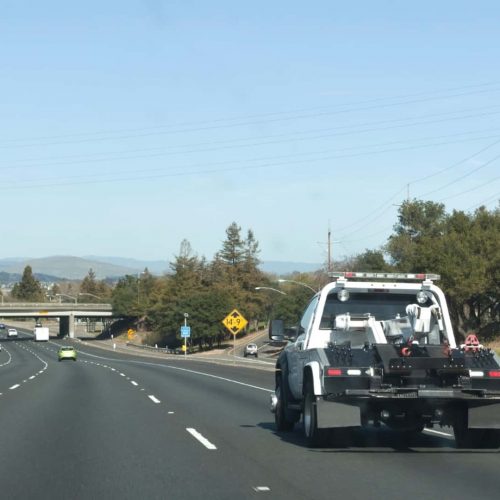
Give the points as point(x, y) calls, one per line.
point(172, 367)
point(122, 374)
point(14, 387)
point(439, 433)
point(261, 488)
point(32, 377)
point(203, 440)
point(134, 383)
point(152, 398)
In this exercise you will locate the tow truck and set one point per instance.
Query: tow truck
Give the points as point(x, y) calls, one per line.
point(379, 349)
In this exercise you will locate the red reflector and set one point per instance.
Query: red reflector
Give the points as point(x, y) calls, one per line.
point(349, 275)
point(420, 276)
point(494, 373)
point(333, 372)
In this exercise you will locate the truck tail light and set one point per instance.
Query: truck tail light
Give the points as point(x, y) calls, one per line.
point(333, 372)
point(494, 373)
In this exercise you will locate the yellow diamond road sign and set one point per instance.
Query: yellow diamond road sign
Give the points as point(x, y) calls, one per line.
point(234, 322)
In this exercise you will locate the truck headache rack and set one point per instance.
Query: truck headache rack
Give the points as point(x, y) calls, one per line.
point(385, 276)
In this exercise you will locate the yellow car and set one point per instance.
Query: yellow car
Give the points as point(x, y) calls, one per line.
point(67, 352)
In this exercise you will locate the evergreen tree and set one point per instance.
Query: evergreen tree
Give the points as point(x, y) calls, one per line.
point(29, 288)
point(90, 286)
point(233, 250)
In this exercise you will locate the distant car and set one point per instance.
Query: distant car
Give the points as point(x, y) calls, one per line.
point(251, 350)
point(2, 326)
point(11, 332)
point(66, 352)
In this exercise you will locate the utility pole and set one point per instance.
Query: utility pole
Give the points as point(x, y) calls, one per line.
point(329, 245)
point(329, 248)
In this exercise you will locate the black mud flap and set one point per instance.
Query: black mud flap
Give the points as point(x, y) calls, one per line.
point(332, 415)
point(484, 417)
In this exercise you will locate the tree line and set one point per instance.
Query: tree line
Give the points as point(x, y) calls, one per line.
point(462, 247)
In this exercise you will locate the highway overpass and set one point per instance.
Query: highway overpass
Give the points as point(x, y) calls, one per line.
point(67, 313)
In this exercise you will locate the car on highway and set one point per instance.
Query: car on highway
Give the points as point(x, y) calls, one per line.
point(66, 352)
point(11, 332)
point(2, 326)
point(251, 350)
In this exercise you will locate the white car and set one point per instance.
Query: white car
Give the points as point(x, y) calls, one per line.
point(11, 332)
point(251, 350)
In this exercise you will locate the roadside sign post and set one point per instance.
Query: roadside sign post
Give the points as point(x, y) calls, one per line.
point(185, 333)
point(234, 322)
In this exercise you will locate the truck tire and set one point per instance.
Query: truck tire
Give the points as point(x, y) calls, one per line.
point(314, 436)
point(281, 416)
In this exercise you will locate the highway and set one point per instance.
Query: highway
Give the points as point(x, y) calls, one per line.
point(112, 425)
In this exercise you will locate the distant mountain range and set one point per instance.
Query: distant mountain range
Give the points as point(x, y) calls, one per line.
point(56, 268)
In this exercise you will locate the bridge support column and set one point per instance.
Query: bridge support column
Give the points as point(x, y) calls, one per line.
point(67, 326)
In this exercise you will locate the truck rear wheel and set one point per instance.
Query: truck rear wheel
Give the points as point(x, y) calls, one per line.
point(281, 417)
point(313, 435)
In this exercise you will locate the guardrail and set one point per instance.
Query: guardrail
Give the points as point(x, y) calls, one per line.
point(166, 350)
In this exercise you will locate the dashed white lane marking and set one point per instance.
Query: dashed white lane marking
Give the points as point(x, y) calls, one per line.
point(32, 377)
point(260, 489)
point(152, 398)
point(439, 433)
point(133, 382)
point(9, 360)
point(170, 412)
point(14, 387)
point(122, 374)
point(172, 367)
point(24, 381)
point(203, 440)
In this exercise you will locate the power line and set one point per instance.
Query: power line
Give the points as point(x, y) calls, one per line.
point(167, 153)
point(489, 162)
point(215, 127)
point(385, 206)
point(67, 181)
point(471, 189)
point(487, 201)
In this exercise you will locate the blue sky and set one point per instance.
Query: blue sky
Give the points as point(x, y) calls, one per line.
point(126, 126)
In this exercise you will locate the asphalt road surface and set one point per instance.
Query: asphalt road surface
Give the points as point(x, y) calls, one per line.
point(112, 425)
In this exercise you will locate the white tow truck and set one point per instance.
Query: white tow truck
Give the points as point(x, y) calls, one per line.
point(379, 348)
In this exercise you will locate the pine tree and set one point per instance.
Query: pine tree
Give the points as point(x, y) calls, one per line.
point(29, 288)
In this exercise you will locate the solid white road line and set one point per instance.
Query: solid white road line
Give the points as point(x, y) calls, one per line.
point(152, 398)
point(203, 440)
point(14, 387)
point(172, 367)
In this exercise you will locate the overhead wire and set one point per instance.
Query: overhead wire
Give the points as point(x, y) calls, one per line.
point(96, 179)
point(376, 214)
point(53, 139)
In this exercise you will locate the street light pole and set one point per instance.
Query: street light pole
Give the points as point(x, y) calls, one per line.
point(90, 294)
point(66, 295)
point(298, 283)
point(269, 288)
